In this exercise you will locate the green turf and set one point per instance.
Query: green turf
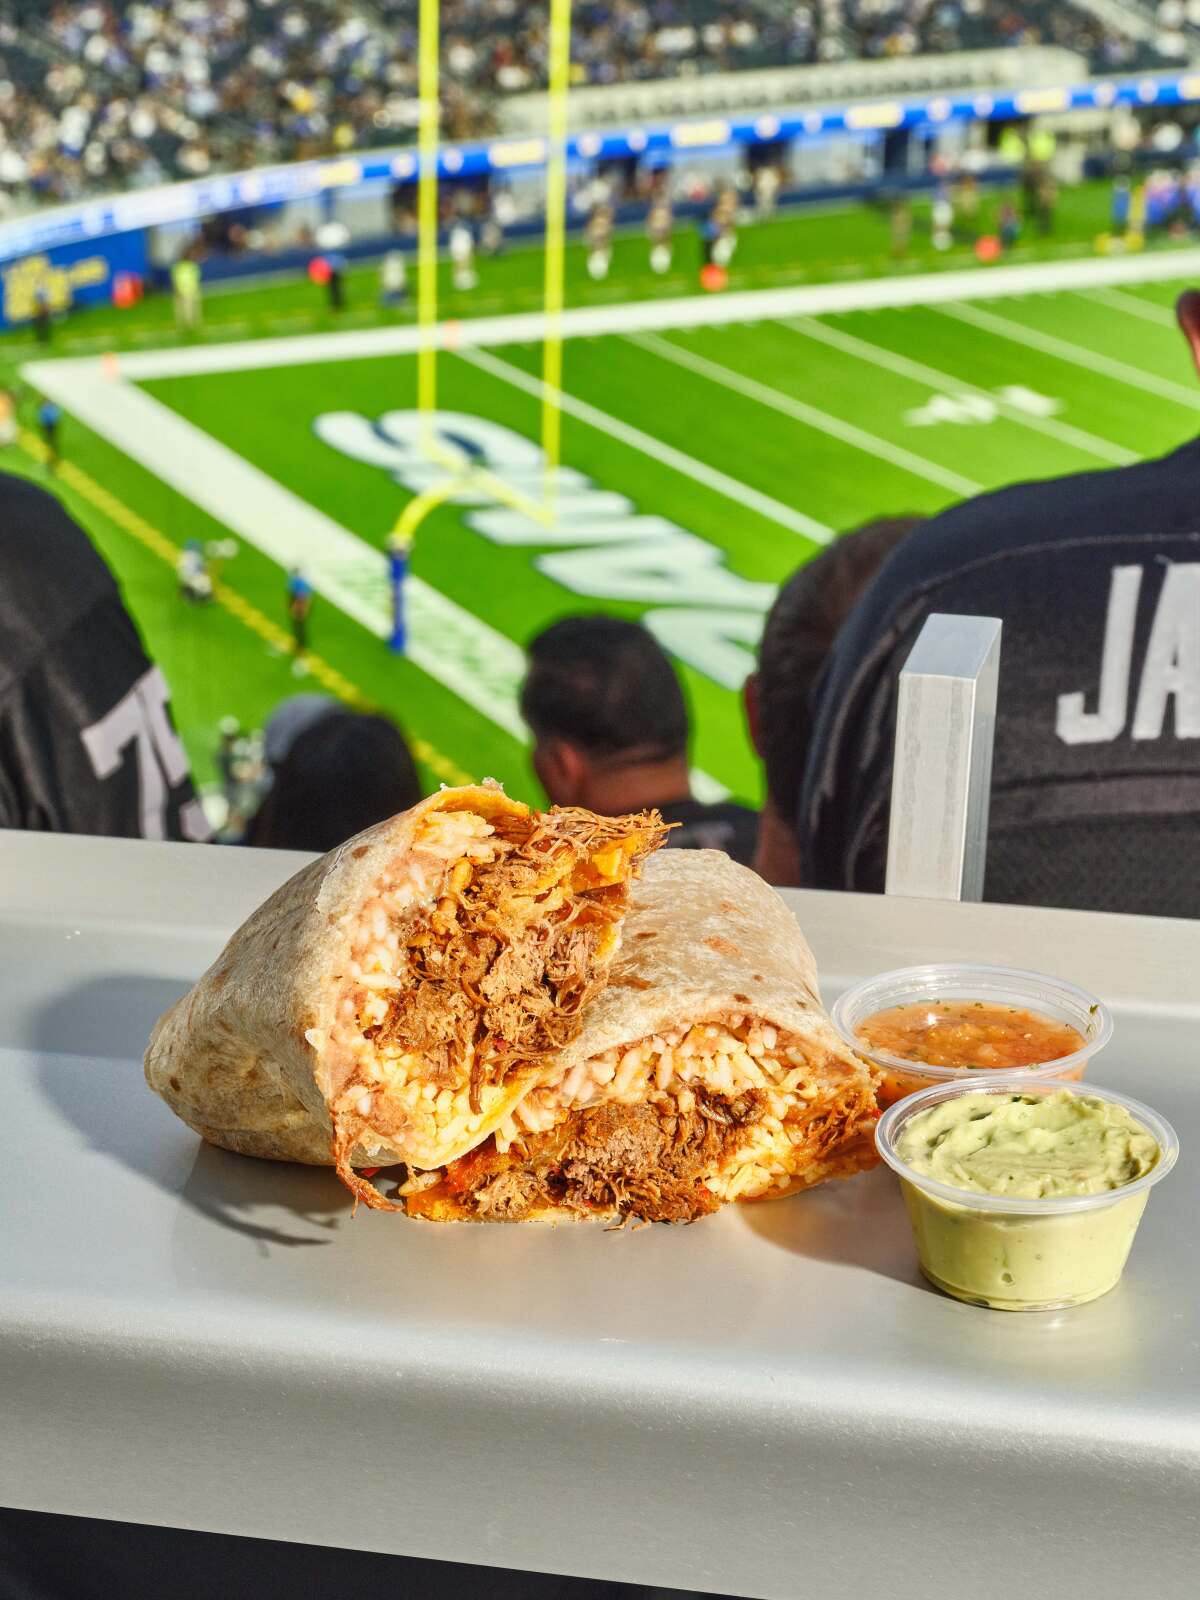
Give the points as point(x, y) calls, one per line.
point(216, 665)
point(270, 421)
point(803, 246)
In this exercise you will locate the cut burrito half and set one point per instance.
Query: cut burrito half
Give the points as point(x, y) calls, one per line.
point(395, 1000)
point(706, 1072)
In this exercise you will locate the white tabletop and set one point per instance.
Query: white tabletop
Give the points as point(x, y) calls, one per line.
point(770, 1403)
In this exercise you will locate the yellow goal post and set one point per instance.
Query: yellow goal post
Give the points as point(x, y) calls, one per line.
point(460, 472)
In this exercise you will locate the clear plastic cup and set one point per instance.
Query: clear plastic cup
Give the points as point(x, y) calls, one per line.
point(1029, 991)
point(1012, 1254)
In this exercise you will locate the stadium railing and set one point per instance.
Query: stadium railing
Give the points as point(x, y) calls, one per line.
point(966, 70)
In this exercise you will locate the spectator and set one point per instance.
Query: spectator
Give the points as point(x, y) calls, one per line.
point(340, 774)
point(86, 741)
point(1096, 770)
point(799, 633)
point(288, 721)
point(610, 731)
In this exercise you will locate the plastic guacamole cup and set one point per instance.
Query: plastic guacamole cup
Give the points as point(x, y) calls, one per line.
point(1015, 1254)
point(991, 989)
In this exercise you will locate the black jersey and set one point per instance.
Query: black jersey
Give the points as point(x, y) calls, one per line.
point(86, 739)
point(722, 826)
point(1096, 774)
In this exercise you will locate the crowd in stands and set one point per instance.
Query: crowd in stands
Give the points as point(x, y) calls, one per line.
point(102, 94)
point(1178, 27)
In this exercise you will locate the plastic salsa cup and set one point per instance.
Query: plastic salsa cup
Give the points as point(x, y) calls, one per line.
point(1013, 1254)
point(995, 986)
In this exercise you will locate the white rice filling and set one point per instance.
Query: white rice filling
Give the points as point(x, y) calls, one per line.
point(727, 1058)
point(388, 1074)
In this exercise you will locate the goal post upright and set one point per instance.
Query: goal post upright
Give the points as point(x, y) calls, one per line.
point(429, 102)
point(459, 472)
point(558, 87)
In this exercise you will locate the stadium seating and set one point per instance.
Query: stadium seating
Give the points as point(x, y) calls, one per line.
point(98, 94)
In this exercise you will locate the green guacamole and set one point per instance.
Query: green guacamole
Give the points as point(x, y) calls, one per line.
point(1028, 1146)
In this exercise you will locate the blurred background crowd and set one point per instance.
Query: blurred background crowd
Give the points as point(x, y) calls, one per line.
point(100, 94)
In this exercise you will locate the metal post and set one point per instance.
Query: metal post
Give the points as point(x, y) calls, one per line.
point(942, 769)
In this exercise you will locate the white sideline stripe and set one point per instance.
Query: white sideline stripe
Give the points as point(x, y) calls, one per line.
point(1063, 350)
point(905, 367)
point(747, 305)
point(789, 406)
point(1116, 300)
point(740, 493)
point(481, 666)
point(457, 649)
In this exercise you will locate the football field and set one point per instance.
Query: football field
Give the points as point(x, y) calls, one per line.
point(710, 446)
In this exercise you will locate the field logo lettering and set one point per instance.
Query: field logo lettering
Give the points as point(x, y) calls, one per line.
point(966, 408)
point(600, 546)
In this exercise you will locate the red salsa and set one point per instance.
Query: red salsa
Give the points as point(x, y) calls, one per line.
point(968, 1033)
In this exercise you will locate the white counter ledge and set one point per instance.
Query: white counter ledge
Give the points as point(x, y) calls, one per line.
point(768, 1403)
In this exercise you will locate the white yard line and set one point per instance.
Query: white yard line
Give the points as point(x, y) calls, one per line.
point(453, 646)
point(1118, 300)
point(933, 378)
point(481, 666)
point(800, 411)
point(748, 305)
point(473, 660)
point(647, 444)
point(1079, 355)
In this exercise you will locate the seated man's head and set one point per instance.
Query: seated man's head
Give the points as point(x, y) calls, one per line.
point(340, 772)
point(607, 714)
point(799, 631)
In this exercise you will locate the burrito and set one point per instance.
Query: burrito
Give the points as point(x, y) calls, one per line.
point(706, 1072)
point(396, 999)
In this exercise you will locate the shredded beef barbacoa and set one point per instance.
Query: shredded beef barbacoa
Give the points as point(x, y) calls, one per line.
point(499, 980)
point(643, 1161)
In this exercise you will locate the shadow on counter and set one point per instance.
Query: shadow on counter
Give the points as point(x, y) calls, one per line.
point(90, 1045)
point(857, 1222)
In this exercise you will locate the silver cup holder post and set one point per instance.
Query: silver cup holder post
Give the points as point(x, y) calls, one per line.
point(942, 769)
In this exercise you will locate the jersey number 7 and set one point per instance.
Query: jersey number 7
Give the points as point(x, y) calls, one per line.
point(139, 719)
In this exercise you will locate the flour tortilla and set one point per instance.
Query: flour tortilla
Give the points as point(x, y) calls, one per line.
point(241, 1060)
point(705, 941)
point(705, 937)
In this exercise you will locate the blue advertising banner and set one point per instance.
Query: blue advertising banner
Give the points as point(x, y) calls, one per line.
point(83, 224)
point(68, 275)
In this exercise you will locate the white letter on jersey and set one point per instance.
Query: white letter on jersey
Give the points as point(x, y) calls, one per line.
point(1077, 726)
point(140, 718)
point(1173, 658)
